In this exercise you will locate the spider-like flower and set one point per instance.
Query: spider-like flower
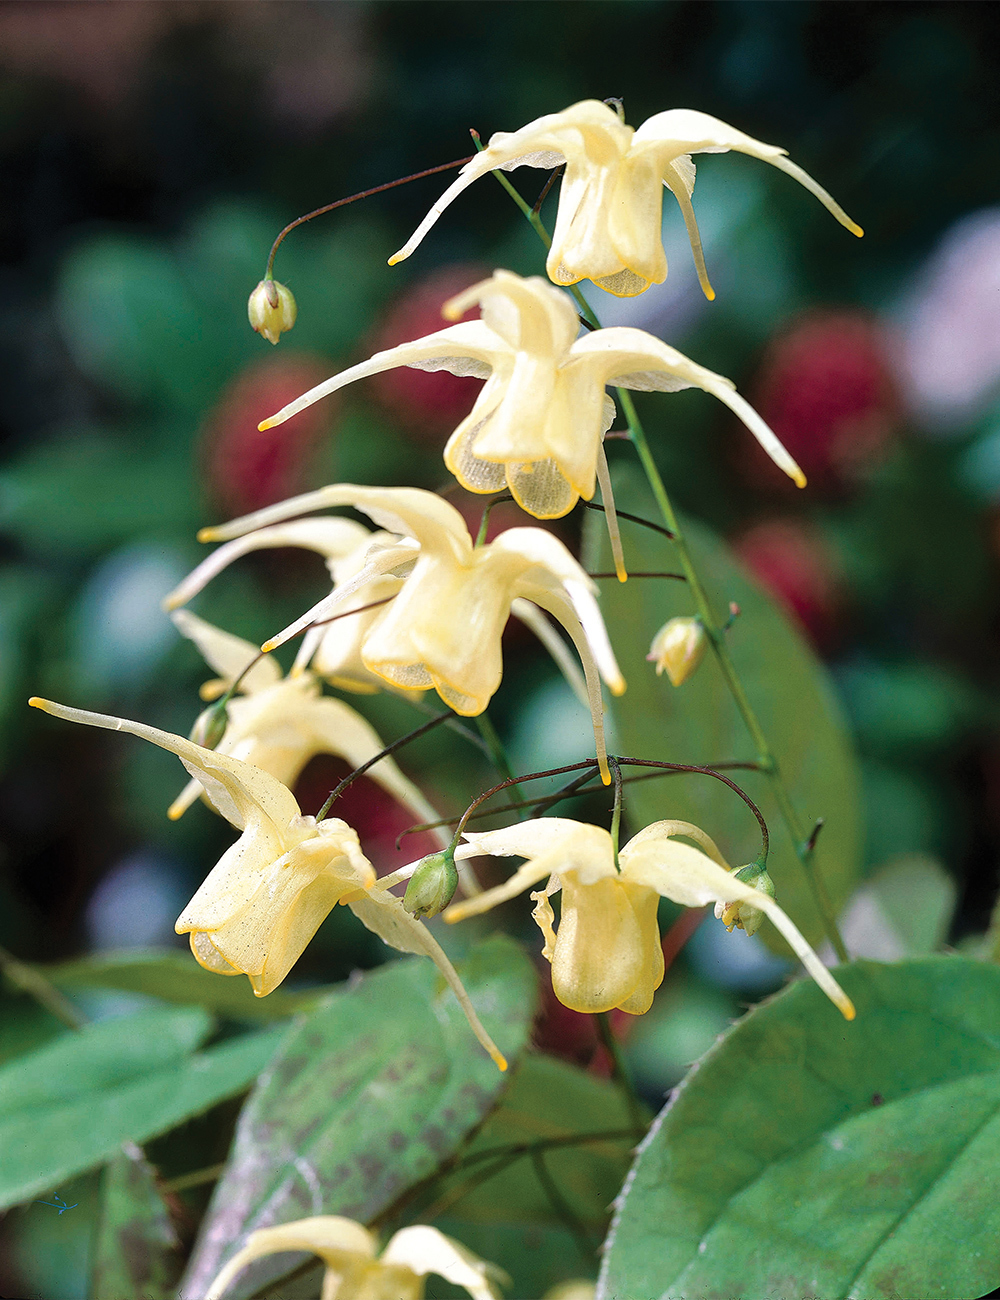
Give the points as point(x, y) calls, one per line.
point(538, 424)
point(608, 226)
point(354, 1268)
point(278, 724)
point(269, 893)
point(606, 952)
point(443, 628)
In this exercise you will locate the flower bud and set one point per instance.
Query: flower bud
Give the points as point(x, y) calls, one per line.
point(432, 885)
point(271, 309)
point(679, 647)
point(743, 915)
point(210, 725)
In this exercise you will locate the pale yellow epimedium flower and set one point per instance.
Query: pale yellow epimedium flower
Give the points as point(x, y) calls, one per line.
point(443, 628)
point(608, 225)
point(278, 724)
point(269, 893)
point(272, 309)
point(606, 951)
point(538, 424)
point(333, 651)
point(355, 1270)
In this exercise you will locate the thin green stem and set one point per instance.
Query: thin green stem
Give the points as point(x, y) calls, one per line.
point(619, 1070)
point(33, 982)
point(616, 815)
point(766, 757)
point(571, 1221)
point(196, 1178)
point(716, 636)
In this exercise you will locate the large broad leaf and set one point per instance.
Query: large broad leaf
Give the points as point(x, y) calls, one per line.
point(136, 1251)
point(372, 1092)
point(174, 977)
point(71, 1104)
point(805, 1156)
point(699, 723)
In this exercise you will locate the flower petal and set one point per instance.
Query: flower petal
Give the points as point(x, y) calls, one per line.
point(426, 1250)
point(329, 1236)
point(228, 655)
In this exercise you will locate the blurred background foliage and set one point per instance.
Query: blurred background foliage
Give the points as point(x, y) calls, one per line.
point(151, 152)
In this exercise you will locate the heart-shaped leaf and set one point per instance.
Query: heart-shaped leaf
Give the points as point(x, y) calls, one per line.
point(805, 1156)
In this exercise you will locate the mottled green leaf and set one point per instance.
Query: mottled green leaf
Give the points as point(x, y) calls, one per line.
point(373, 1090)
point(699, 723)
point(177, 977)
point(805, 1156)
point(136, 1251)
point(71, 1104)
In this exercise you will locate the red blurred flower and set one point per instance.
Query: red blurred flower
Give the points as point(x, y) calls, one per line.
point(245, 469)
point(428, 403)
point(825, 388)
point(572, 1035)
point(793, 563)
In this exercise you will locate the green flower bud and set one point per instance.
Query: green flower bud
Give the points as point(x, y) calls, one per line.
point(432, 885)
point(210, 725)
point(743, 915)
point(272, 309)
point(678, 647)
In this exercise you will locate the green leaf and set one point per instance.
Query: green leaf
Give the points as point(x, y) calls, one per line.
point(698, 722)
point(176, 977)
point(548, 1098)
point(71, 1104)
point(903, 910)
point(136, 1252)
point(808, 1156)
point(372, 1091)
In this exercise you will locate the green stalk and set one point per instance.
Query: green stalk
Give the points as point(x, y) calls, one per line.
point(765, 755)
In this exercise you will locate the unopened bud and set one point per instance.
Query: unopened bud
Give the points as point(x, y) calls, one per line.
point(210, 725)
point(679, 647)
point(432, 885)
point(743, 915)
point(271, 309)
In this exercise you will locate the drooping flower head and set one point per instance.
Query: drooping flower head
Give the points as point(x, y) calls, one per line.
point(606, 951)
point(355, 1270)
point(442, 630)
point(269, 893)
point(278, 724)
point(538, 424)
point(611, 198)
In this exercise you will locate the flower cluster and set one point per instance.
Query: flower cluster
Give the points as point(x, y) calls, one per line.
point(420, 605)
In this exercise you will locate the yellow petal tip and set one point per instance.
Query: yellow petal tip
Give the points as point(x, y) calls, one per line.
point(267, 424)
point(395, 259)
point(206, 535)
point(710, 294)
point(174, 813)
point(499, 1060)
point(36, 702)
point(799, 479)
point(855, 229)
point(847, 1009)
point(268, 646)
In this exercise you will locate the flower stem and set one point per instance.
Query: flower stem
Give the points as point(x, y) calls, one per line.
point(619, 1070)
point(351, 777)
point(616, 816)
point(765, 756)
point(45, 993)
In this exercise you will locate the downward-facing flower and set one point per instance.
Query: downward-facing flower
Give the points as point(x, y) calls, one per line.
point(269, 893)
point(608, 226)
point(354, 1268)
point(606, 951)
point(539, 422)
point(279, 724)
point(443, 629)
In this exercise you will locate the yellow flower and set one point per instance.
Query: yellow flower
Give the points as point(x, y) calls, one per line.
point(354, 1268)
point(272, 309)
point(333, 651)
point(279, 724)
point(678, 647)
point(443, 628)
point(269, 893)
point(608, 226)
point(538, 424)
point(606, 952)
